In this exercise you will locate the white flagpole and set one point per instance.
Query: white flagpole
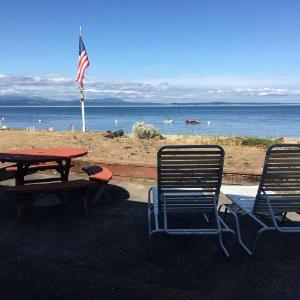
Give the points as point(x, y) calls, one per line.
point(82, 109)
point(82, 100)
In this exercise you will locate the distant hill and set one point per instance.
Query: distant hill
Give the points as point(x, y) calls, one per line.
point(22, 100)
point(32, 101)
point(38, 101)
point(227, 103)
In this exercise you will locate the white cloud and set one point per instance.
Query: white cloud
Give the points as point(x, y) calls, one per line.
point(218, 82)
point(185, 88)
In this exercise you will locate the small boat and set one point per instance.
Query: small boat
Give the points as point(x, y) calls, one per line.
point(192, 122)
point(168, 121)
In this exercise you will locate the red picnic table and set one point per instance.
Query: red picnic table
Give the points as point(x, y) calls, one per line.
point(24, 159)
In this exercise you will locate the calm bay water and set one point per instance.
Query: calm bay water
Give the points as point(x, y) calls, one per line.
point(276, 121)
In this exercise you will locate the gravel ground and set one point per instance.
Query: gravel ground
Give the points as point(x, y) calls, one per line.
point(127, 149)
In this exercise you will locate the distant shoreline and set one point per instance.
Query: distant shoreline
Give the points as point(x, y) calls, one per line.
point(159, 105)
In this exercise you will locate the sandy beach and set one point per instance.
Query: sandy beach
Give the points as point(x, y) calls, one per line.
point(129, 149)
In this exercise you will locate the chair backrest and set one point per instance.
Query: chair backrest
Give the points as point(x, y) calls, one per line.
point(280, 179)
point(189, 176)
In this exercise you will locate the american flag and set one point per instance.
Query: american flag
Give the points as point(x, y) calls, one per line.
point(83, 62)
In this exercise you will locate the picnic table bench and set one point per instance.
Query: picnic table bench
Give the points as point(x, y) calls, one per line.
point(21, 190)
point(42, 166)
point(100, 175)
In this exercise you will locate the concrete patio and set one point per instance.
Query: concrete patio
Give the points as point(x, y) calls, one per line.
point(56, 254)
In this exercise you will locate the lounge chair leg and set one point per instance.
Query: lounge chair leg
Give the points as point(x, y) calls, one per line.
point(225, 211)
point(239, 236)
point(238, 230)
point(222, 244)
point(257, 237)
point(221, 223)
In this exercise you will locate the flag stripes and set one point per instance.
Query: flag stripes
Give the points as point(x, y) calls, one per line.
point(83, 62)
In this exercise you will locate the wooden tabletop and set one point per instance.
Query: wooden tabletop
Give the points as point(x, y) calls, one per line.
point(41, 155)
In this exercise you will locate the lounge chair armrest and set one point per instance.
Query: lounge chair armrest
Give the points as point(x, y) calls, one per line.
point(153, 198)
point(150, 192)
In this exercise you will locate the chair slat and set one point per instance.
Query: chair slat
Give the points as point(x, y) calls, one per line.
point(283, 165)
point(191, 171)
point(190, 152)
point(199, 159)
point(191, 175)
point(283, 176)
point(285, 160)
point(286, 170)
point(286, 155)
point(288, 151)
point(191, 162)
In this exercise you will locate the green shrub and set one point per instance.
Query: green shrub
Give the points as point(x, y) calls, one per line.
point(144, 131)
point(257, 141)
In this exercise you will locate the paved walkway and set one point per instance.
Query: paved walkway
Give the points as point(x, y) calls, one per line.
point(56, 254)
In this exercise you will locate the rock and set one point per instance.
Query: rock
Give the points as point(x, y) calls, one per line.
point(50, 129)
point(158, 137)
point(192, 122)
point(115, 134)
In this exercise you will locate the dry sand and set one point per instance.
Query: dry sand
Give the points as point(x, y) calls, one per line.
point(127, 149)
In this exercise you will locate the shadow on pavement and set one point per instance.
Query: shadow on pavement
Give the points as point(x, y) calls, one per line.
point(58, 254)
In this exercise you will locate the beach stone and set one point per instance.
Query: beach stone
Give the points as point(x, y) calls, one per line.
point(115, 134)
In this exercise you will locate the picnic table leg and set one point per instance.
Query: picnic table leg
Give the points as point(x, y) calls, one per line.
point(19, 174)
point(64, 169)
point(64, 173)
point(19, 180)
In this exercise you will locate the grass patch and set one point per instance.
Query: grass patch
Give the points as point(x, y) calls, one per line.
point(257, 141)
point(251, 141)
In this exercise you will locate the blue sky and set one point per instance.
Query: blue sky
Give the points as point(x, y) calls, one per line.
point(158, 50)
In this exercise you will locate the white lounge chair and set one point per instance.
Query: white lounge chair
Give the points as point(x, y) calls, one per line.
point(188, 181)
point(277, 194)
